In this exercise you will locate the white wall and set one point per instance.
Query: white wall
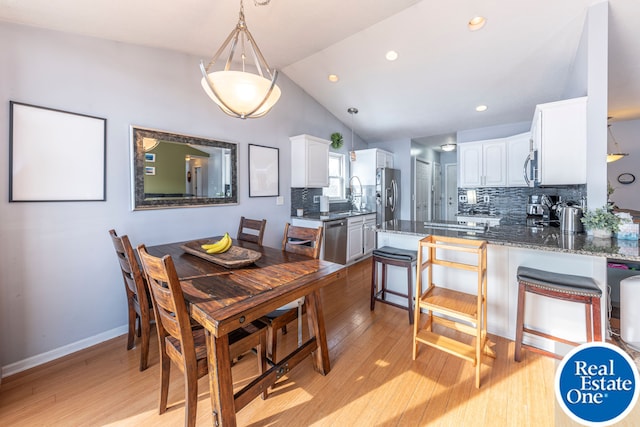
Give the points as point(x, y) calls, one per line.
point(627, 134)
point(597, 89)
point(60, 287)
point(492, 132)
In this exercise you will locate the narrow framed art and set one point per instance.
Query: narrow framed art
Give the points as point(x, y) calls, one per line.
point(264, 174)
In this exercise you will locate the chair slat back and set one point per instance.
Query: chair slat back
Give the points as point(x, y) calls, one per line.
point(251, 224)
point(167, 297)
point(134, 281)
point(302, 240)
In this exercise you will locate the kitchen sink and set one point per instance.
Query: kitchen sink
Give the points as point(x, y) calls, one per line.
point(348, 213)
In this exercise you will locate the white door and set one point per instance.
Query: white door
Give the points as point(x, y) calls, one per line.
point(198, 189)
point(423, 190)
point(437, 192)
point(451, 191)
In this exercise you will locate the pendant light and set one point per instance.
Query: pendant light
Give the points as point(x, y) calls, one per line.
point(352, 153)
point(241, 93)
point(617, 154)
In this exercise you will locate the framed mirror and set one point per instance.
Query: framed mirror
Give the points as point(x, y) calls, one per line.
point(173, 170)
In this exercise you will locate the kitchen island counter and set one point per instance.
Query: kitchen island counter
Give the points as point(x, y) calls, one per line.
point(511, 246)
point(526, 237)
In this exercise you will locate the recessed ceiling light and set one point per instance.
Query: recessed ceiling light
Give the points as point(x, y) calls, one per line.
point(476, 23)
point(481, 108)
point(333, 78)
point(392, 55)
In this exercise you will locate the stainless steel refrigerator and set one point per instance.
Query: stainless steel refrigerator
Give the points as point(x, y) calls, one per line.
point(387, 195)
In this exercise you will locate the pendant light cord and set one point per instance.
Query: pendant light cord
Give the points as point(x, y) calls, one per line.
point(352, 111)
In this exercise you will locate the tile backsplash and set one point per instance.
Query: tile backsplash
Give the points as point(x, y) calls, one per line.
point(510, 203)
point(303, 198)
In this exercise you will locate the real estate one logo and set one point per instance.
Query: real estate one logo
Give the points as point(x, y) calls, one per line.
point(597, 384)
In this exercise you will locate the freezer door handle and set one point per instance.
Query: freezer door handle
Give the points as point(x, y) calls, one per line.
point(394, 186)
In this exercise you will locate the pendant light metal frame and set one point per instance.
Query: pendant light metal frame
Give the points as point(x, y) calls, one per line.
point(352, 153)
point(617, 155)
point(241, 35)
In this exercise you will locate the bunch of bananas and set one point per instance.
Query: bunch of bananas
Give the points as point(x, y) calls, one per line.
point(220, 246)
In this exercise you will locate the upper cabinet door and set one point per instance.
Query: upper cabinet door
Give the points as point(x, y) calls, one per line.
point(384, 159)
point(560, 135)
point(494, 163)
point(367, 161)
point(309, 162)
point(482, 163)
point(518, 147)
point(470, 164)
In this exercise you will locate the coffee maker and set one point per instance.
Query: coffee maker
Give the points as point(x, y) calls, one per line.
point(550, 210)
point(541, 210)
point(534, 206)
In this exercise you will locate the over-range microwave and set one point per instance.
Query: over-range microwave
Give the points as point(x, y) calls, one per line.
point(531, 169)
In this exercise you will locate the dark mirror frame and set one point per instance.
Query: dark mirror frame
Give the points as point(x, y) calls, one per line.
point(140, 202)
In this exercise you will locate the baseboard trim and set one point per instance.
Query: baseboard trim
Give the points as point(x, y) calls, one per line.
point(33, 361)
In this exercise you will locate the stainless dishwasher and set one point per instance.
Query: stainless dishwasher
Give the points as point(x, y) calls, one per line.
point(335, 241)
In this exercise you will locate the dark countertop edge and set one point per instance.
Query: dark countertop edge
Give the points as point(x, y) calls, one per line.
point(606, 253)
point(477, 215)
point(316, 216)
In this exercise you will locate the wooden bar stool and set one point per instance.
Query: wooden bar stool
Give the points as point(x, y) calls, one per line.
point(388, 255)
point(564, 287)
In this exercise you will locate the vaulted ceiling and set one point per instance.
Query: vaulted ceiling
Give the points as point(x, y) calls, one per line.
point(522, 57)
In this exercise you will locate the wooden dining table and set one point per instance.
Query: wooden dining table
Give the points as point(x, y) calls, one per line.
point(224, 299)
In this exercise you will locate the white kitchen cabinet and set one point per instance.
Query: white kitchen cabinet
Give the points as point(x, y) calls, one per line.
point(367, 161)
point(559, 133)
point(483, 163)
point(518, 147)
point(384, 159)
point(369, 234)
point(309, 162)
point(355, 238)
point(361, 236)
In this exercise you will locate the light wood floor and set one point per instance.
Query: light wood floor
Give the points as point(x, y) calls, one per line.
point(373, 381)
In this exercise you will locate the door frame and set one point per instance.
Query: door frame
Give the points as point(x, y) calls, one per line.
point(454, 206)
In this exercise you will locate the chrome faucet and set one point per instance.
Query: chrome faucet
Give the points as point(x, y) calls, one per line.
point(355, 197)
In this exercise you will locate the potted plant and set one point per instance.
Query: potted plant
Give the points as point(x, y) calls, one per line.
point(336, 140)
point(601, 222)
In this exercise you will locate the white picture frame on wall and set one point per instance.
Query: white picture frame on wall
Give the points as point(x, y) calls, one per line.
point(264, 172)
point(55, 155)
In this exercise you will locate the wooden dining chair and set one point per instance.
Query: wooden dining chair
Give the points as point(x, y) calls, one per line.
point(138, 299)
point(256, 228)
point(299, 240)
point(179, 342)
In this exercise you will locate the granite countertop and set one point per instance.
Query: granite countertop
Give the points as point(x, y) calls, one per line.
point(522, 236)
point(333, 215)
